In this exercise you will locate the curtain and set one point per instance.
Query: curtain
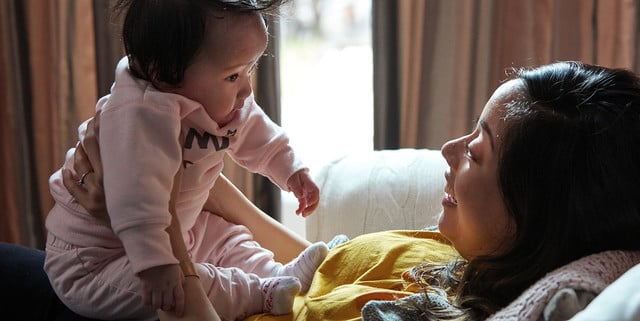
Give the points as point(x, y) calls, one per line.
point(56, 59)
point(448, 56)
point(386, 87)
point(47, 86)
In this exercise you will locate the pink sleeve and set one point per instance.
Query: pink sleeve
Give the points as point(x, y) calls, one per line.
point(140, 154)
point(263, 147)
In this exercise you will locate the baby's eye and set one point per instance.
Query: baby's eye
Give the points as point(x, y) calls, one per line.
point(233, 77)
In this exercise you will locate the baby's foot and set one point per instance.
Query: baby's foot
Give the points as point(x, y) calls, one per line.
point(278, 294)
point(337, 240)
point(305, 265)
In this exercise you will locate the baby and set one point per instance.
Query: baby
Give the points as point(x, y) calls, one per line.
point(181, 98)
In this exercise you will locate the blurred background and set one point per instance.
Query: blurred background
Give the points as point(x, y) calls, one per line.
point(326, 84)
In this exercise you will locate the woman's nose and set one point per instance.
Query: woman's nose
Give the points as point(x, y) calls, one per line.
point(449, 152)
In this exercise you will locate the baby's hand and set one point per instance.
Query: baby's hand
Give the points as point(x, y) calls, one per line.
point(305, 190)
point(162, 288)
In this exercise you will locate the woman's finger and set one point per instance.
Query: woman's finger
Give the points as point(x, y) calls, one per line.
point(70, 181)
point(82, 167)
point(81, 162)
point(86, 185)
point(91, 146)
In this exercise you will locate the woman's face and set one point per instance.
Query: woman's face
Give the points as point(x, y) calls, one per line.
point(475, 218)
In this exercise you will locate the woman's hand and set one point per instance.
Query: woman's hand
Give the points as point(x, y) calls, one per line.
point(86, 185)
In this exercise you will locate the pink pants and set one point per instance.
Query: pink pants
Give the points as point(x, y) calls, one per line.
point(99, 283)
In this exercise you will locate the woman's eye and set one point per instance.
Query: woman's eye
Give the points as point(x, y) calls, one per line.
point(233, 77)
point(467, 151)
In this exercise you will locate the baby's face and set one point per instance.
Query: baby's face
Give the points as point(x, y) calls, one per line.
point(220, 76)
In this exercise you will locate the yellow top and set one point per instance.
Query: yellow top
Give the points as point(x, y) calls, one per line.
point(373, 266)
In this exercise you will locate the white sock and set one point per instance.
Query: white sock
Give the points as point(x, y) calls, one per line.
point(305, 265)
point(278, 294)
point(337, 240)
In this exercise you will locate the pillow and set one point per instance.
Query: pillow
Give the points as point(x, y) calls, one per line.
point(593, 273)
point(376, 191)
point(620, 301)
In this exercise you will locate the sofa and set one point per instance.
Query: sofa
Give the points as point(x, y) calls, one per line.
point(378, 190)
point(402, 189)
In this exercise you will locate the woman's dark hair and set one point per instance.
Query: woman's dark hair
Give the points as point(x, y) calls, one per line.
point(161, 37)
point(569, 172)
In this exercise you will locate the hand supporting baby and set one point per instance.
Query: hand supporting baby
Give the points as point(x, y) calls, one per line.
point(305, 190)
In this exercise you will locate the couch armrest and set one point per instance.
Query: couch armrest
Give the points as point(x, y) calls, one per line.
point(378, 190)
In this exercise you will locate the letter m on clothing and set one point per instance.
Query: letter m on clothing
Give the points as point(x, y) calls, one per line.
point(219, 143)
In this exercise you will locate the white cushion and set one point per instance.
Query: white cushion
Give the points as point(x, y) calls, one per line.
point(378, 190)
point(620, 301)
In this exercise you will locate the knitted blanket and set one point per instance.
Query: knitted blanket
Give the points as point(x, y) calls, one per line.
point(592, 273)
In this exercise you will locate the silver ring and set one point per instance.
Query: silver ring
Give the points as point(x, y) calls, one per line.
point(81, 180)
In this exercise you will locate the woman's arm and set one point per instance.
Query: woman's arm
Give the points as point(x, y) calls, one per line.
point(227, 201)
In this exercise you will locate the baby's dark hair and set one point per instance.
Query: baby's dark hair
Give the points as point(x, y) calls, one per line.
point(161, 37)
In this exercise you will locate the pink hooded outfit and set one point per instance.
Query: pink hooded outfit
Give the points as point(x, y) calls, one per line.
point(145, 135)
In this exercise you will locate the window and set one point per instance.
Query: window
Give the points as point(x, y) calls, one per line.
point(327, 86)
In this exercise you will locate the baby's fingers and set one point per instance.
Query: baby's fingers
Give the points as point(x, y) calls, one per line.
point(311, 199)
point(156, 300)
point(310, 208)
point(146, 298)
point(302, 205)
point(179, 297)
point(168, 301)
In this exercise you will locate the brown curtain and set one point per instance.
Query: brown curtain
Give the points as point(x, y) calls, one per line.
point(47, 86)
point(56, 58)
point(451, 55)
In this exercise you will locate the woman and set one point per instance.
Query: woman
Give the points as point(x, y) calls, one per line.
point(549, 175)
